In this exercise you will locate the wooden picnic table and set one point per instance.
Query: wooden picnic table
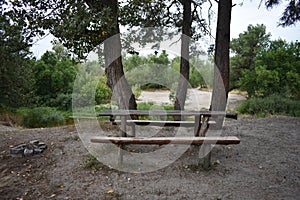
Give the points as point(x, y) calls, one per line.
point(166, 113)
point(130, 117)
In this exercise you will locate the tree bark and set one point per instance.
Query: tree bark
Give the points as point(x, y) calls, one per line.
point(184, 62)
point(221, 68)
point(116, 80)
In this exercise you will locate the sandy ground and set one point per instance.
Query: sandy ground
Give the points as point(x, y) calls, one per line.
point(196, 99)
point(265, 165)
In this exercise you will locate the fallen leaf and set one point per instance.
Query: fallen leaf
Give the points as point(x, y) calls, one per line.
point(110, 191)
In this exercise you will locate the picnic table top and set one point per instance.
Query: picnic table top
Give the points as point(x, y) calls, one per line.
point(167, 113)
point(165, 140)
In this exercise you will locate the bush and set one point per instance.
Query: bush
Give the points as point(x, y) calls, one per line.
point(9, 116)
point(41, 117)
point(271, 105)
point(103, 92)
point(145, 105)
point(137, 91)
point(61, 102)
point(152, 106)
point(172, 94)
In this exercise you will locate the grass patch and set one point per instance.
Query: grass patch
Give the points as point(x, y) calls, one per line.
point(153, 106)
point(90, 162)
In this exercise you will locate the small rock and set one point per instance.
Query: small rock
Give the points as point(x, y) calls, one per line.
point(217, 162)
point(29, 149)
point(28, 152)
point(34, 142)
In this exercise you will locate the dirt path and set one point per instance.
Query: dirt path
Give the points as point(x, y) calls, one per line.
point(196, 99)
point(265, 165)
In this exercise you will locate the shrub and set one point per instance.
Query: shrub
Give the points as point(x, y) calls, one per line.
point(172, 94)
point(9, 116)
point(152, 106)
point(145, 105)
point(41, 117)
point(103, 92)
point(137, 91)
point(62, 102)
point(271, 105)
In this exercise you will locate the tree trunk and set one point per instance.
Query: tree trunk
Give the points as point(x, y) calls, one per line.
point(184, 62)
point(221, 68)
point(116, 80)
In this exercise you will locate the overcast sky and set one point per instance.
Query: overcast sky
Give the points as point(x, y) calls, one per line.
point(250, 13)
point(242, 16)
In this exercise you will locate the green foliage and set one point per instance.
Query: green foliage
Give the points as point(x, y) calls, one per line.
point(61, 102)
point(277, 70)
point(137, 91)
point(284, 58)
point(145, 105)
point(172, 93)
point(271, 105)
point(245, 48)
point(90, 87)
point(162, 59)
point(196, 79)
point(41, 117)
point(54, 75)
point(263, 67)
point(201, 73)
point(152, 71)
point(140, 13)
point(102, 107)
point(157, 71)
point(153, 106)
point(80, 26)
point(133, 61)
point(103, 93)
point(16, 78)
point(260, 82)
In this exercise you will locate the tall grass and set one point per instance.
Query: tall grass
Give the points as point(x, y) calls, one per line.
point(40, 117)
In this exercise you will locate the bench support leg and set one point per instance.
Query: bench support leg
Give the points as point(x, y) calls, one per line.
point(122, 134)
point(133, 129)
point(197, 126)
point(120, 159)
point(206, 156)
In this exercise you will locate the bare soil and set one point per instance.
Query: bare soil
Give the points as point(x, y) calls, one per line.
point(265, 165)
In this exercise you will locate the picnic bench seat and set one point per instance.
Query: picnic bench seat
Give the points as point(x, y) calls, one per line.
point(160, 123)
point(201, 123)
point(166, 140)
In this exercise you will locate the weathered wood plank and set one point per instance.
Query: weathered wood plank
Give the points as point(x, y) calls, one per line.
point(158, 123)
point(166, 140)
point(166, 113)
